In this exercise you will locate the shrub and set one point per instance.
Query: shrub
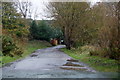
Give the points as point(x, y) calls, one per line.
point(94, 53)
point(19, 34)
point(18, 52)
point(88, 48)
point(106, 52)
point(9, 48)
point(114, 53)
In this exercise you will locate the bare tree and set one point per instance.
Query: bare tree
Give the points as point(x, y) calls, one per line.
point(35, 13)
point(68, 16)
point(24, 7)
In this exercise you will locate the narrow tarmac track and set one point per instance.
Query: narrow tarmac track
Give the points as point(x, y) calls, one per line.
point(46, 63)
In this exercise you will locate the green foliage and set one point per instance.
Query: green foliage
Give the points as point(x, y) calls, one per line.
point(43, 31)
point(9, 16)
point(18, 34)
point(9, 47)
point(14, 26)
point(33, 30)
point(12, 21)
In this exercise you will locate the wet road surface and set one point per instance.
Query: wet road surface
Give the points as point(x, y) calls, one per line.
point(46, 63)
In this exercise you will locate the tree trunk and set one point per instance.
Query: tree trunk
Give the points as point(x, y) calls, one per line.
point(67, 39)
point(118, 43)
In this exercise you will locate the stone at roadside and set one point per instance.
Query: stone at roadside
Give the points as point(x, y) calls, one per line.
point(72, 64)
point(72, 60)
point(33, 55)
point(73, 68)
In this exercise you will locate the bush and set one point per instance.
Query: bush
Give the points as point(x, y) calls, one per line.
point(77, 44)
point(19, 34)
point(9, 47)
point(18, 52)
point(106, 52)
point(114, 53)
point(95, 52)
point(88, 48)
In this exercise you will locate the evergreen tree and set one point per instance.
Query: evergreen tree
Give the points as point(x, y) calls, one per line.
point(33, 30)
point(43, 31)
point(10, 16)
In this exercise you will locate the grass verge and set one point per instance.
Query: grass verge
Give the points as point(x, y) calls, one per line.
point(98, 63)
point(28, 48)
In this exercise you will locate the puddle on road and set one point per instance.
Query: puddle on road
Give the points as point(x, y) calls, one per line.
point(46, 69)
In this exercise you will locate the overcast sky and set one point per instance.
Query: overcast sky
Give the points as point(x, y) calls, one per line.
point(39, 7)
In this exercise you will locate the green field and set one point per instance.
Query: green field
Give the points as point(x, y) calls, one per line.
point(30, 47)
point(98, 63)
